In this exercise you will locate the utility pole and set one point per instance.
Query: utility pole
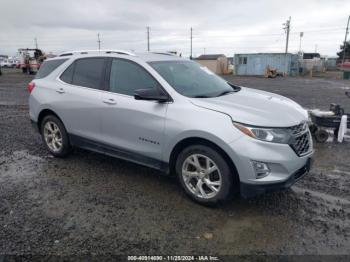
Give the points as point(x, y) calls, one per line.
point(191, 45)
point(301, 35)
point(346, 35)
point(148, 39)
point(316, 48)
point(287, 29)
point(36, 43)
point(99, 41)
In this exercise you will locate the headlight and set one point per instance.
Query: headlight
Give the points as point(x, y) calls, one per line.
point(275, 135)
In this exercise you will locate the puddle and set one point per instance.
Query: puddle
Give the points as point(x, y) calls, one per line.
point(326, 197)
point(19, 164)
point(341, 172)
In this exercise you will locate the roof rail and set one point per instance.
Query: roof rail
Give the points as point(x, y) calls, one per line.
point(163, 53)
point(85, 52)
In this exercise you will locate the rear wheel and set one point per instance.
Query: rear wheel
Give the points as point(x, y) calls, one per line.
point(204, 174)
point(55, 136)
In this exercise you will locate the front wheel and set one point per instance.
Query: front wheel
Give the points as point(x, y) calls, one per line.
point(204, 174)
point(55, 136)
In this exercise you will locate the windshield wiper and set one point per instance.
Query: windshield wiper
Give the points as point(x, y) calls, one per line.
point(235, 88)
point(226, 92)
point(201, 96)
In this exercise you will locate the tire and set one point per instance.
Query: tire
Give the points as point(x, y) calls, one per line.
point(57, 149)
point(321, 135)
point(223, 175)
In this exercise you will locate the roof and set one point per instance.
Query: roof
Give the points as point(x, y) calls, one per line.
point(210, 57)
point(246, 54)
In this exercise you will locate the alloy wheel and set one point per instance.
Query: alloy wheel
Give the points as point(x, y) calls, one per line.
point(201, 176)
point(53, 136)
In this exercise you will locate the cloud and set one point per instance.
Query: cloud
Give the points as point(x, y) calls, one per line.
point(222, 26)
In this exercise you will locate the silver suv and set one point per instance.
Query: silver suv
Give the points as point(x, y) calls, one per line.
point(172, 114)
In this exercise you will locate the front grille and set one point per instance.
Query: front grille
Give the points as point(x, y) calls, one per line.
point(298, 129)
point(301, 144)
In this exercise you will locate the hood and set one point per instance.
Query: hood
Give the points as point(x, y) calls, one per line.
point(256, 107)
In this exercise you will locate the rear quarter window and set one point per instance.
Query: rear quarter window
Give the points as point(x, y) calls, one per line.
point(67, 75)
point(48, 66)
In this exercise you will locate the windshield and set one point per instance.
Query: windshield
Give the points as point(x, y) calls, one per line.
point(191, 79)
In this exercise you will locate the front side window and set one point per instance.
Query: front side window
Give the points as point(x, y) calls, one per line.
point(49, 66)
point(191, 79)
point(127, 76)
point(88, 72)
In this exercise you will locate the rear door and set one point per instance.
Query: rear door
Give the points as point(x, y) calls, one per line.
point(80, 103)
point(132, 127)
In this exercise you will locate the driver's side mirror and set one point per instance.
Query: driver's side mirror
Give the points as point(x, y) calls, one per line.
point(152, 95)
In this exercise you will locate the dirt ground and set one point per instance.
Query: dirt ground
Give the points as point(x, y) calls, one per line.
point(94, 204)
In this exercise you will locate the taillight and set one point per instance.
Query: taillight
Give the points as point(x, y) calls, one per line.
point(30, 87)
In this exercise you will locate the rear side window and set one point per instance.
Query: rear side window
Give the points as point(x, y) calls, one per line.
point(48, 66)
point(126, 77)
point(88, 72)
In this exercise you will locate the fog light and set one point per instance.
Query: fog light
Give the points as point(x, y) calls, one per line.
point(261, 169)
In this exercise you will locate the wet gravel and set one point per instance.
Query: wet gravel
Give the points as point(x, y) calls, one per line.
point(93, 204)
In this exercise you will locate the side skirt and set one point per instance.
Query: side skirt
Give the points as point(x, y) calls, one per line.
point(117, 152)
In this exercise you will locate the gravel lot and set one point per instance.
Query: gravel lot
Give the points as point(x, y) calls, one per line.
point(93, 204)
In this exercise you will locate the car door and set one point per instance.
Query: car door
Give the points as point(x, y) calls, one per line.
point(81, 87)
point(134, 128)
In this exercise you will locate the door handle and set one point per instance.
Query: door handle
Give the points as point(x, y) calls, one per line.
point(109, 101)
point(60, 90)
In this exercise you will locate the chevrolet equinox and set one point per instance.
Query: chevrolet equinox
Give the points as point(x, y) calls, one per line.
point(172, 114)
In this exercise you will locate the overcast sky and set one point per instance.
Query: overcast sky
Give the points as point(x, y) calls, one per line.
point(221, 26)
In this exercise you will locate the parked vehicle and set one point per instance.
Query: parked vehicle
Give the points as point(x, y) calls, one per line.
point(6, 63)
point(172, 114)
point(30, 60)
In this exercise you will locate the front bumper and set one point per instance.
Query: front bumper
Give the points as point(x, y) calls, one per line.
point(284, 164)
point(251, 190)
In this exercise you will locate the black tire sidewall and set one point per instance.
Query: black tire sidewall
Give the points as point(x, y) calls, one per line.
point(226, 174)
point(65, 139)
point(321, 136)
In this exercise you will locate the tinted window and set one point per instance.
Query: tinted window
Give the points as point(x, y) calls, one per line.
point(67, 75)
point(126, 77)
point(88, 72)
point(48, 66)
